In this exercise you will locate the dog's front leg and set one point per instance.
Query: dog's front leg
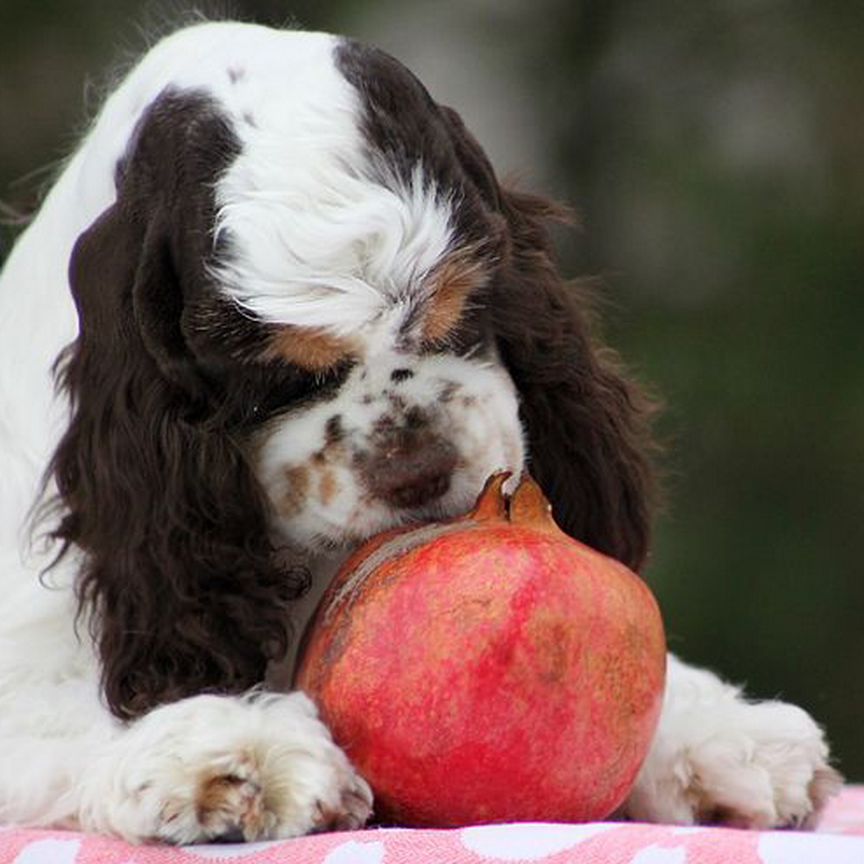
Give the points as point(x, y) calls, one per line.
point(719, 758)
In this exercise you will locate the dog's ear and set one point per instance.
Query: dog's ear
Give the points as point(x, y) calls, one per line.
point(177, 576)
point(127, 294)
point(587, 424)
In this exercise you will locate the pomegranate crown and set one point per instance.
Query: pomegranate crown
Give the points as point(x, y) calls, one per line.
point(525, 505)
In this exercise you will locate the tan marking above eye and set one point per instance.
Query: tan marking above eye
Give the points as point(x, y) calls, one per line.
point(450, 286)
point(311, 348)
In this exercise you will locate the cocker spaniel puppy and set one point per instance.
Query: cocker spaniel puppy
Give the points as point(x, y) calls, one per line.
point(278, 301)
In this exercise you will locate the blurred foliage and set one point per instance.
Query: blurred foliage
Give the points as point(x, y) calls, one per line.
point(721, 178)
point(713, 150)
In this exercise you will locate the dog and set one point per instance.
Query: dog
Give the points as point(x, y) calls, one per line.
point(276, 302)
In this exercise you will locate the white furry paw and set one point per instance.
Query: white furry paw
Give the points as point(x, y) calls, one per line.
point(221, 768)
point(718, 759)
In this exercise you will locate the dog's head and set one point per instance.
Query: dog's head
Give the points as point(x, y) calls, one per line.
point(311, 313)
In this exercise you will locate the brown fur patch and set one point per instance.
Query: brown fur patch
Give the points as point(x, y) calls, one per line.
point(310, 347)
point(231, 807)
point(328, 487)
point(213, 795)
point(451, 283)
point(294, 499)
point(333, 449)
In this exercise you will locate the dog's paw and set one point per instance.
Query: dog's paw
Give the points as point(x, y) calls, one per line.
point(219, 768)
point(719, 759)
point(243, 797)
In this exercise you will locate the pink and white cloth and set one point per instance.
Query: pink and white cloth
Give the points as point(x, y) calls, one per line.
point(839, 840)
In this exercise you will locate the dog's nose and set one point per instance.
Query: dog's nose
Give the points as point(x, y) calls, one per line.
point(410, 467)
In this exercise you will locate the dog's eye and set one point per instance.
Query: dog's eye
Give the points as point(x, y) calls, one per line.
point(471, 335)
point(284, 387)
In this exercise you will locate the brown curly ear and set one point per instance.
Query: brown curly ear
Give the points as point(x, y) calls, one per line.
point(177, 579)
point(587, 424)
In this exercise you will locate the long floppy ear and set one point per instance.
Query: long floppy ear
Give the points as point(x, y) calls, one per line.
point(587, 424)
point(177, 576)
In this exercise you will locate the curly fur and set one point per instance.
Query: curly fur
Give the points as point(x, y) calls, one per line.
point(588, 424)
point(155, 486)
point(293, 307)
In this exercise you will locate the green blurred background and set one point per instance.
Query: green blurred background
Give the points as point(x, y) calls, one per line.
point(714, 151)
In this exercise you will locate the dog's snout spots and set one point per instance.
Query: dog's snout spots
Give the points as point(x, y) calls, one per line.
point(448, 391)
point(294, 499)
point(334, 447)
point(328, 487)
point(409, 467)
point(397, 376)
point(334, 431)
point(415, 418)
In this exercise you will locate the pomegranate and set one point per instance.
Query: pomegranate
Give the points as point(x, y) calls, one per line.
point(488, 669)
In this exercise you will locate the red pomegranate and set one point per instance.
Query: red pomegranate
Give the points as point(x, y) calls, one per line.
point(488, 669)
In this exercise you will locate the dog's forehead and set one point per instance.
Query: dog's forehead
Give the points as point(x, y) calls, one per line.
point(342, 210)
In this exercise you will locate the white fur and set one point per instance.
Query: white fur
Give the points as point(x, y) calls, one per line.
point(719, 756)
point(480, 417)
point(62, 750)
point(283, 769)
point(324, 235)
point(327, 246)
point(357, 241)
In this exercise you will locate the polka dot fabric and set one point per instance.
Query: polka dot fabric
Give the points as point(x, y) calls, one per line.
point(840, 840)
